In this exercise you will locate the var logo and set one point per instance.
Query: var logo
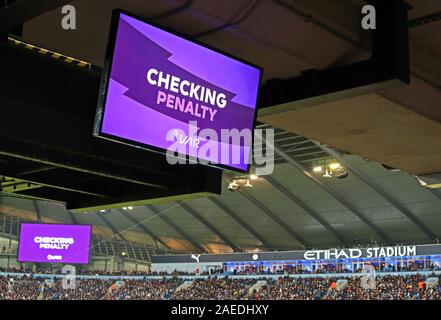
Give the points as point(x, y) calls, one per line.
point(186, 140)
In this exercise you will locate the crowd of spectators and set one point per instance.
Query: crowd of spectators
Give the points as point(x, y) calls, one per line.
point(144, 290)
point(332, 269)
point(20, 288)
point(216, 289)
point(131, 273)
point(390, 287)
point(50, 270)
point(250, 270)
point(411, 287)
point(84, 289)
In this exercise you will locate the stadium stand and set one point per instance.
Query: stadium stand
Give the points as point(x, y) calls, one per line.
point(145, 290)
point(394, 286)
point(216, 289)
point(85, 289)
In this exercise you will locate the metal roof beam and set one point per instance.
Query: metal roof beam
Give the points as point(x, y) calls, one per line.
point(306, 208)
point(24, 10)
point(46, 179)
point(37, 210)
point(240, 221)
point(333, 193)
point(274, 217)
point(183, 7)
point(142, 227)
point(209, 226)
point(72, 217)
point(373, 185)
point(436, 193)
point(174, 226)
point(110, 225)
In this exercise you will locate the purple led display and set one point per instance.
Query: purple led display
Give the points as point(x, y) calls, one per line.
point(54, 243)
point(156, 83)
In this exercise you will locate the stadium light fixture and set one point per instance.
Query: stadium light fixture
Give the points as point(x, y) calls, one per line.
point(248, 184)
point(234, 186)
point(327, 175)
point(317, 169)
point(334, 166)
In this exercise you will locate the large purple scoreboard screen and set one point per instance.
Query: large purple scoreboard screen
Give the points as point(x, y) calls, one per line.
point(163, 92)
point(54, 243)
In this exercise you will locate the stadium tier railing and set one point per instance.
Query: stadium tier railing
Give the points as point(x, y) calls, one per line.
point(220, 276)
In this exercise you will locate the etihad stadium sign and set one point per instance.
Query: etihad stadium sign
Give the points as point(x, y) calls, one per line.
point(310, 255)
point(377, 252)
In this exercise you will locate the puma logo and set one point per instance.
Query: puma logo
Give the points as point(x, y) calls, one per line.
point(194, 257)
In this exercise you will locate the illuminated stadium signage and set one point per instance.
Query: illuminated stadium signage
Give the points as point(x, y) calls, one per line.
point(379, 252)
point(162, 92)
point(54, 243)
point(311, 255)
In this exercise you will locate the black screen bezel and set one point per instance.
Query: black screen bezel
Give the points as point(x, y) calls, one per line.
point(97, 132)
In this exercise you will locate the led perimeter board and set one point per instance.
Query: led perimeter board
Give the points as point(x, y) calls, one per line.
point(162, 92)
point(54, 243)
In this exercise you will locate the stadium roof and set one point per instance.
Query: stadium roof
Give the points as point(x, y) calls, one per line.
point(290, 208)
point(285, 37)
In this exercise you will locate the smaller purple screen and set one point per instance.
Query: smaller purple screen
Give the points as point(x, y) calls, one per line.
point(54, 243)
